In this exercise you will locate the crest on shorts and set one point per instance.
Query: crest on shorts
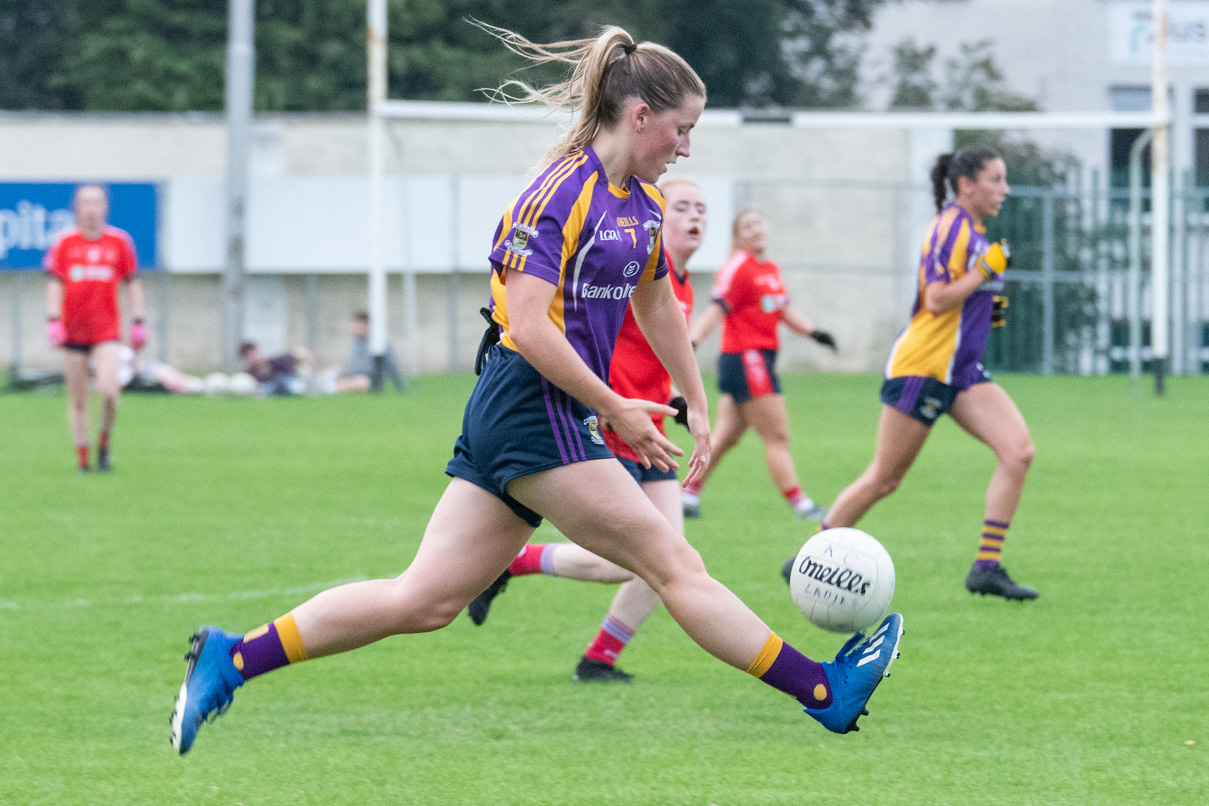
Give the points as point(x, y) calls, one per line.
point(518, 242)
point(930, 408)
point(594, 429)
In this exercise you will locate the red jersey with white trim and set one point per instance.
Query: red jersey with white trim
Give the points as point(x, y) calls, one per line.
point(753, 297)
point(90, 272)
point(635, 372)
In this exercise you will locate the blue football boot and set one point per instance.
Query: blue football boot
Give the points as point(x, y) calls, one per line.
point(210, 683)
point(854, 674)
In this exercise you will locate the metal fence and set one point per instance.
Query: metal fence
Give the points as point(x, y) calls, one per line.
point(1080, 286)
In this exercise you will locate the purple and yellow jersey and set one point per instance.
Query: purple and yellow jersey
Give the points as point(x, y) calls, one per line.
point(594, 241)
point(947, 347)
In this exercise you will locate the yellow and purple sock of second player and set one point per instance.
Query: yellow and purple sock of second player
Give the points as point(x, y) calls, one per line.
point(785, 669)
point(991, 547)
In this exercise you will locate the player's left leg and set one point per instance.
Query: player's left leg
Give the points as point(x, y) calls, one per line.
point(565, 560)
point(770, 419)
point(596, 504)
point(107, 358)
point(990, 415)
point(633, 604)
point(469, 538)
point(75, 373)
point(729, 428)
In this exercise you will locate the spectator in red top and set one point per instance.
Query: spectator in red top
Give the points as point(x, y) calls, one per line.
point(86, 265)
point(750, 302)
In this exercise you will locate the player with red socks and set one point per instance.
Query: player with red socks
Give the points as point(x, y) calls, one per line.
point(86, 265)
point(751, 303)
point(635, 372)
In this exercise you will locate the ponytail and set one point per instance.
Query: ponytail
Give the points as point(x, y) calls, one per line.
point(607, 70)
point(948, 168)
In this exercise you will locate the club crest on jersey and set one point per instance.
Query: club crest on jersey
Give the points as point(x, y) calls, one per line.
point(652, 231)
point(519, 242)
point(594, 429)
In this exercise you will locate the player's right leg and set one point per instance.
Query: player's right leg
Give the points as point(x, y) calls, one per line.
point(899, 441)
point(900, 438)
point(634, 601)
point(563, 560)
point(470, 538)
point(990, 415)
point(107, 359)
point(75, 373)
point(770, 419)
point(596, 504)
point(729, 428)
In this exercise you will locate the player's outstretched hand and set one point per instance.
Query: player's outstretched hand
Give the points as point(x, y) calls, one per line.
point(681, 406)
point(138, 335)
point(631, 419)
point(56, 333)
point(698, 426)
point(824, 338)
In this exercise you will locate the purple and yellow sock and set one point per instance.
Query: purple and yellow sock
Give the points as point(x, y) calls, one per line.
point(269, 647)
point(993, 535)
point(785, 669)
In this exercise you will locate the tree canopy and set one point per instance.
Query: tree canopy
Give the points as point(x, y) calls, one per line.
point(169, 55)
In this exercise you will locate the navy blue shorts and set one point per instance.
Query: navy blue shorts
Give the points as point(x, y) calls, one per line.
point(516, 424)
point(641, 474)
point(81, 347)
point(748, 374)
point(924, 399)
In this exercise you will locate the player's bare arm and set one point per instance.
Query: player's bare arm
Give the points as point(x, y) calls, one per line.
point(544, 346)
point(659, 318)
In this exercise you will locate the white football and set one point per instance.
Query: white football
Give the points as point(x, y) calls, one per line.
point(842, 580)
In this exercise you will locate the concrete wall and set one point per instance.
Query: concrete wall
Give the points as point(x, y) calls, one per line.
point(843, 224)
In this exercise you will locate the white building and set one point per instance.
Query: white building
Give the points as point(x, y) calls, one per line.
point(1066, 55)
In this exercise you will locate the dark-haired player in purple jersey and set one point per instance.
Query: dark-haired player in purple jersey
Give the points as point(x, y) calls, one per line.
point(572, 250)
point(935, 366)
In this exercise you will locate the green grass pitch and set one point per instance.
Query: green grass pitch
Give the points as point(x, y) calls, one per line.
point(232, 511)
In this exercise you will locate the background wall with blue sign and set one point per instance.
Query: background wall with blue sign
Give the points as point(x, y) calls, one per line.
point(33, 214)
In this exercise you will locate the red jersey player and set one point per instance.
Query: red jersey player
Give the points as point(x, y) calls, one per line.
point(86, 265)
point(635, 372)
point(751, 303)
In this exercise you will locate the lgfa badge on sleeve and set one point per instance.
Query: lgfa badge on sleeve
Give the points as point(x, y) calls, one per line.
point(652, 231)
point(518, 243)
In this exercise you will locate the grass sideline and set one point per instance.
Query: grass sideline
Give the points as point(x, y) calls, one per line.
point(230, 511)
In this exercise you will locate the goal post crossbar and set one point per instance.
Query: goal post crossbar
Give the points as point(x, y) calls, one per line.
point(442, 110)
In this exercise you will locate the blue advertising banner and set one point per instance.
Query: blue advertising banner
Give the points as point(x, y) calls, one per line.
point(32, 214)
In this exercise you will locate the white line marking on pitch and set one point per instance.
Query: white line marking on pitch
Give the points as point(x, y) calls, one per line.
point(179, 598)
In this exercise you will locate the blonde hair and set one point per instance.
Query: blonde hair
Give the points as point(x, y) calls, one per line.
point(608, 69)
point(734, 226)
point(664, 187)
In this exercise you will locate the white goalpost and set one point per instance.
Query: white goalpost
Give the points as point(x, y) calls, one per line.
point(1157, 121)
